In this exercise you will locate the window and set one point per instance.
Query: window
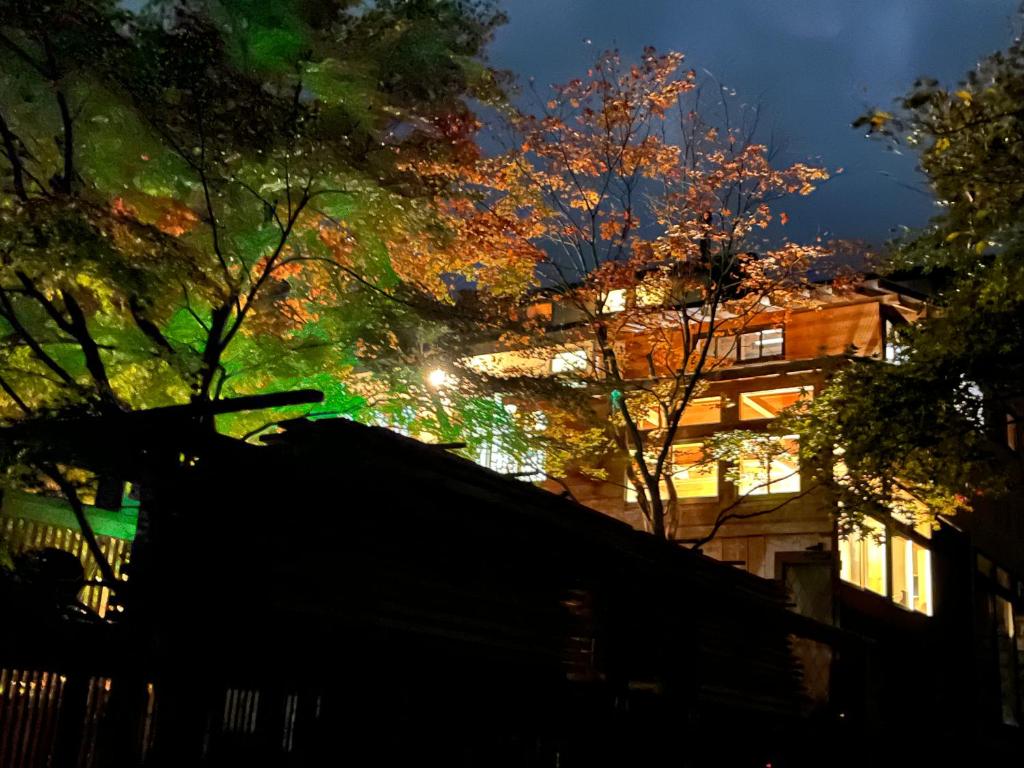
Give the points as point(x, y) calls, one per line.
point(572, 360)
point(1012, 432)
point(759, 345)
point(911, 575)
point(1002, 642)
point(768, 403)
point(880, 560)
point(693, 475)
point(508, 453)
point(770, 472)
point(614, 301)
point(723, 348)
point(529, 466)
point(862, 558)
point(652, 291)
point(892, 350)
point(703, 410)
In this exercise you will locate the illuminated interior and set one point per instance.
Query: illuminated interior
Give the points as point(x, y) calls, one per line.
point(615, 300)
point(865, 558)
point(780, 473)
point(911, 575)
point(862, 558)
point(570, 360)
point(768, 403)
point(692, 475)
point(758, 344)
point(704, 410)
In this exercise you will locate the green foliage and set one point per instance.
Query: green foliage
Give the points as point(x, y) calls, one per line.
point(188, 189)
point(933, 426)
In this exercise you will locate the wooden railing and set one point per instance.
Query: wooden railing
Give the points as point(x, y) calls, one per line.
point(19, 535)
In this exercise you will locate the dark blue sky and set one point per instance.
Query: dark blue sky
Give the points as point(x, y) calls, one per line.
point(814, 65)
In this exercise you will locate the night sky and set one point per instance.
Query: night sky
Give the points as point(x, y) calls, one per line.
point(814, 65)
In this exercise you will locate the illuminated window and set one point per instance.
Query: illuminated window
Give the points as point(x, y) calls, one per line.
point(704, 410)
point(768, 403)
point(777, 473)
point(652, 292)
point(862, 558)
point(572, 360)
point(508, 453)
point(722, 348)
point(892, 350)
point(758, 345)
point(911, 575)
point(615, 300)
point(693, 475)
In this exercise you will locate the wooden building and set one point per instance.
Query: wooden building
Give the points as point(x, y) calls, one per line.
point(940, 612)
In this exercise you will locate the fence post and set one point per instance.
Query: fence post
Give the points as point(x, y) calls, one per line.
point(71, 720)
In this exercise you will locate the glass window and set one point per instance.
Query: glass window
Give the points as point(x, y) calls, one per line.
point(756, 345)
point(506, 453)
point(703, 410)
point(862, 558)
point(723, 348)
point(777, 473)
point(892, 350)
point(767, 404)
point(1007, 651)
point(652, 291)
point(693, 476)
point(614, 301)
point(911, 575)
point(570, 360)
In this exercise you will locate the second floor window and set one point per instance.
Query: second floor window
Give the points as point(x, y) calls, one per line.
point(768, 403)
point(693, 475)
point(760, 473)
point(570, 361)
point(759, 345)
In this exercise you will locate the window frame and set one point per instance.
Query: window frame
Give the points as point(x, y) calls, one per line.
point(629, 492)
point(760, 332)
point(767, 486)
point(893, 529)
point(805, 391)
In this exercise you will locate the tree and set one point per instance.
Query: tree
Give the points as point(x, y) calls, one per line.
point(624, 211)
point(929, 435)
point(183, 187)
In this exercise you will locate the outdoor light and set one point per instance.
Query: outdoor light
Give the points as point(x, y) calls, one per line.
point(437, 378)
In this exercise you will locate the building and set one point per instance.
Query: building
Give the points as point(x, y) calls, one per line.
point(939, 609)
point(908, 645)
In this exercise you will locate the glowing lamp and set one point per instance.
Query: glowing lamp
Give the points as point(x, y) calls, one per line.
point(437, 378)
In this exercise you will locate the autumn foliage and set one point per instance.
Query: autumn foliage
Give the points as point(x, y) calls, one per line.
point(644, 225)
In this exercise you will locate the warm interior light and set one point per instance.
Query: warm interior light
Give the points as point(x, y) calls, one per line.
point(437, 378)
